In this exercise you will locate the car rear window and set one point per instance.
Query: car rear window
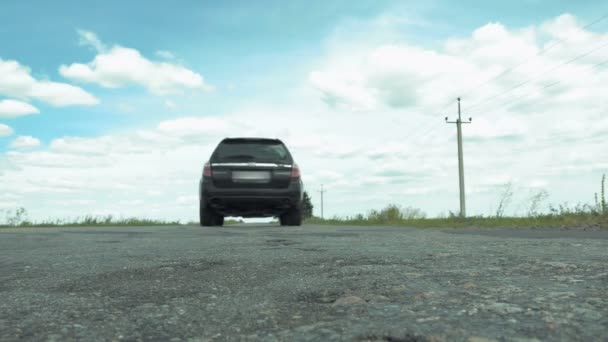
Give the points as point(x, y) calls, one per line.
point(251, 150)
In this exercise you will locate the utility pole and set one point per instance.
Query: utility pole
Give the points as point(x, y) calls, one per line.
point(459, 122)
point(322, 191)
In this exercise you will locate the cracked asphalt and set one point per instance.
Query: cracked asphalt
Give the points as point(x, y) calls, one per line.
point(309, 283)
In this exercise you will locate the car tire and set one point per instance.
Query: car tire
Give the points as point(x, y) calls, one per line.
point(293, 217)
point(207, 217)
point(219, 220)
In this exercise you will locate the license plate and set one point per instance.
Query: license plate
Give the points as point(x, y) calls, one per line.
point(254, 176)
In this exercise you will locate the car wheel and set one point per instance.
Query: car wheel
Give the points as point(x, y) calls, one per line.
point(219, 220)
point(207, 217)
point(293, 217)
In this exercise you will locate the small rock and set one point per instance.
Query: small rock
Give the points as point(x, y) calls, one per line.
point(552, 325)
point(167, 269)
point(398, 289)
point(504, 308)
point(561, 265)
point(435, 338)
point(424, 295)
point(327, 333)
point(54, 338)
point(309, 328)
point(469, 286)
point(480, 339)
point(594, 300)
point(374, 298)
point(428, 319)
point(599, 275)
point(349, 300)
point(587, 312)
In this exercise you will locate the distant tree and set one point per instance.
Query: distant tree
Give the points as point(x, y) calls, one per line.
point(19, 217)
point(306, 206)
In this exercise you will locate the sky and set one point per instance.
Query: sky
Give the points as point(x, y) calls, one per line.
point(113, 107)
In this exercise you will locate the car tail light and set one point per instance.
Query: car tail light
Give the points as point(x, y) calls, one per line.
point(295, 171)
point(207, 170)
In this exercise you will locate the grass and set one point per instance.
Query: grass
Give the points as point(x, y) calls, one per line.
point(109, 220)
point(548, 221)
point(572, 219)
point(595, 216)
point(18, 218)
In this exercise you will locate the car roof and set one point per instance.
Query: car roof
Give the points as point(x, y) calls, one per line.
point(251, 139)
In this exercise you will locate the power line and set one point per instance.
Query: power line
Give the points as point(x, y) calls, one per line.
point(512, 103)
point(419, 137)
point(537, 75)
point(542, 51)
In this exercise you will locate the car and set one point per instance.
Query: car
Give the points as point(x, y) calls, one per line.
point(250, 177)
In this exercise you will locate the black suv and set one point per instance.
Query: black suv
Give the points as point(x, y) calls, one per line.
point(251, 177)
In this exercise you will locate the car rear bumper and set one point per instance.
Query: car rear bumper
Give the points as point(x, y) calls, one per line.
point(250, 202)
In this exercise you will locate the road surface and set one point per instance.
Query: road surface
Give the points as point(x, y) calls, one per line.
point(310, 283)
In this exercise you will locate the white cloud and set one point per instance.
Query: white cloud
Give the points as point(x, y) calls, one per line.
point(121, 66)
point(5, 130)
point(16, 81)
point(165, 54)
point(23, 142)
point(402, 75)
point(189, 200)
point(170, 104)
point(13, 109)
point(88, 38)
point(399, 151)
point(126, 108)
point(189, 126)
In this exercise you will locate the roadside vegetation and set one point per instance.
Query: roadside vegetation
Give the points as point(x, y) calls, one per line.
point(563, 215)
point(19, 218)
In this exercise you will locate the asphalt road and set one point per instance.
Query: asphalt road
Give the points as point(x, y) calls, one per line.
point(272, 283)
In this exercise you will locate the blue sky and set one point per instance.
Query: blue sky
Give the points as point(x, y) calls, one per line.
point(250, 44)
point(268, 61)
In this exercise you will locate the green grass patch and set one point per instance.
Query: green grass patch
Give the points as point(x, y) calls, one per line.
point(18, 219)
point(579, 216)
point(586, 216)
point(546, 221)
point(89, 220)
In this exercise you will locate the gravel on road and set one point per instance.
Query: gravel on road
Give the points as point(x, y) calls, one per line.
point(309, 283)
